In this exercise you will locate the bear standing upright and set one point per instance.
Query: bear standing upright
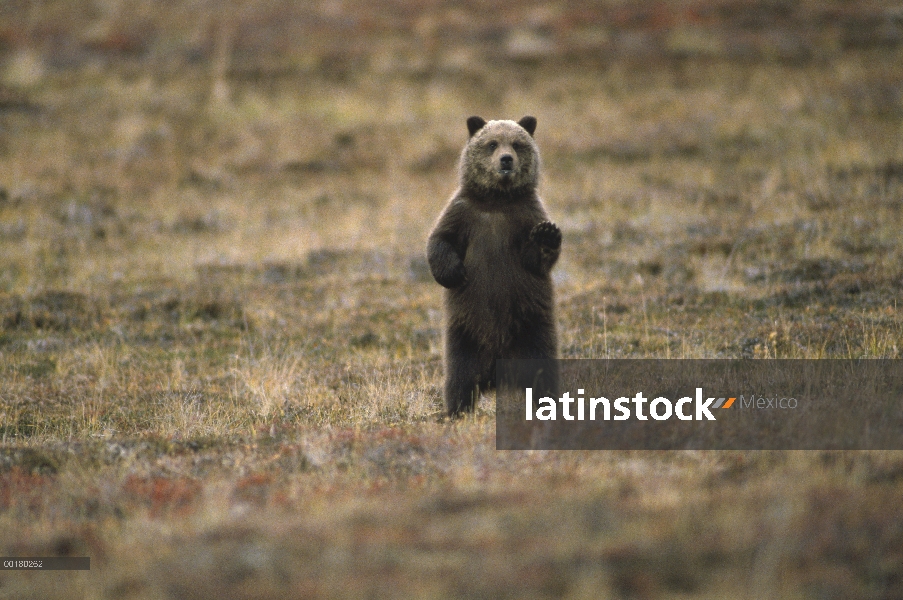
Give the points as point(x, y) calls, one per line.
point(493, 248)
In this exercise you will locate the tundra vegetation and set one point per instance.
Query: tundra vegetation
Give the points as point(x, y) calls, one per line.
point(220, 353)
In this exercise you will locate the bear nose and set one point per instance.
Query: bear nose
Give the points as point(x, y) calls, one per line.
point(507, 161)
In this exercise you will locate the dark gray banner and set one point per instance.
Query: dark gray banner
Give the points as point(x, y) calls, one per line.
point(664, 404)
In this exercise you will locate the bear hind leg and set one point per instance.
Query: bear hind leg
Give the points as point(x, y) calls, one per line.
point(463, 381)
point(538, 345)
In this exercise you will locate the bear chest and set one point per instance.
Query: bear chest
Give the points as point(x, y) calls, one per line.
point(493, 248)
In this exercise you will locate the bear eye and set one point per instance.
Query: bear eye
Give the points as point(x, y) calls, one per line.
point(492, 145)
point(518, 147)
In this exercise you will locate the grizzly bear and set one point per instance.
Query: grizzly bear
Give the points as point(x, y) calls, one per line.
point(493, 248)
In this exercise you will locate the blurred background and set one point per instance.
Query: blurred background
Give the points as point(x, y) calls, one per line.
point(142, 139)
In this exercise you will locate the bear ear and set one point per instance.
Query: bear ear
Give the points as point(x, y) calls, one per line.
point(474, 124)
point(528, 123)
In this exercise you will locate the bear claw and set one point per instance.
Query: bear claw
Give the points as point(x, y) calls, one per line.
point(546, 234)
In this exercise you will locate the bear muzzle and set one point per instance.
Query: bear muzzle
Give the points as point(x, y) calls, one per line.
point(506, 164)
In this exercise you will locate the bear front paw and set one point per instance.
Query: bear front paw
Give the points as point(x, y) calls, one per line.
point(452, 277)
point(546, 234)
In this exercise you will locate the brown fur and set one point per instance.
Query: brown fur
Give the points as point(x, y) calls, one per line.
point(493, 248)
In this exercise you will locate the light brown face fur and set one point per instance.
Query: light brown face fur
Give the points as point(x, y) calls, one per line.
point(500, 156)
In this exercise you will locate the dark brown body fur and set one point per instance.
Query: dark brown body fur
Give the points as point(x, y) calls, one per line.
point(493, 248)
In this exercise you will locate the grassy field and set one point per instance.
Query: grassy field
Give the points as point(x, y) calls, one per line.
point(220, 353)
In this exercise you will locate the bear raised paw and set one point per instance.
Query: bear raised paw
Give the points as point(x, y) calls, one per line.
point(493, 249)
point(546, 234)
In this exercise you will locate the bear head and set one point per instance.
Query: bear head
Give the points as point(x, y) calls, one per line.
point(501, 158)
